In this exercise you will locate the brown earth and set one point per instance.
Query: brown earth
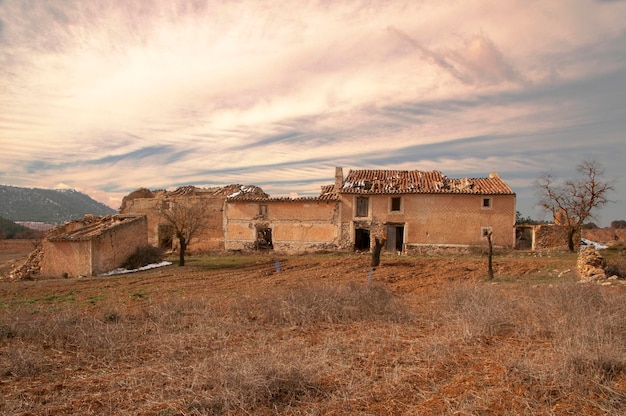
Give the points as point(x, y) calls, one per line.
point(150, 354)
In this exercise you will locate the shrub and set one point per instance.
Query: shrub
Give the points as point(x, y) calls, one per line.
point(142, 257)
point(616, 268)
point(329, 303)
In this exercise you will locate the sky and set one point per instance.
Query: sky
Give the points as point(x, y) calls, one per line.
point(107, 96)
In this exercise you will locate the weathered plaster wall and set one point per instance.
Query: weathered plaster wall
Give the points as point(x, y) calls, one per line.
point(296, 225)
point(208, 238)
point(150, 208)
point(437, 219)
point(111, 249)
point(96, 254)
point(72, 258)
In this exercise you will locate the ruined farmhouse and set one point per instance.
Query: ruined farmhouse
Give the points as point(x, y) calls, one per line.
point(411, 209)
point(91, 245)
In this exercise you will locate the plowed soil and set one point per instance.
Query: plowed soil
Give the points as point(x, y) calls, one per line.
point(160, 360)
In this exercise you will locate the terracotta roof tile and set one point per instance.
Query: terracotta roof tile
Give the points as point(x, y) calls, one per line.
point(405, 181)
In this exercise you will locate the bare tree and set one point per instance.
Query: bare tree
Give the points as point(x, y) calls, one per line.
point(187, 216)
point(574, 201)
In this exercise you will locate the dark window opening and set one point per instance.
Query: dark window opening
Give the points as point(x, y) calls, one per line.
point(166, 236)
point(362, 206)
point(361, 239)
point(486, 202)
point(396, 203)
point(263, 239)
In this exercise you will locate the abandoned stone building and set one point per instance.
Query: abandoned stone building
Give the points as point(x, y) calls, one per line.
point(160, 233)
point(411, 209)
point(91, 245)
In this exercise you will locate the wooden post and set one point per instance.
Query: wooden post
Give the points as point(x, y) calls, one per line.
point(490, 255)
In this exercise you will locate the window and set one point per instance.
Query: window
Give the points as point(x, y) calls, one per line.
point(263, 238)
point(263, 210)
point(486, 203)
point(362, 206)
point(396, 202)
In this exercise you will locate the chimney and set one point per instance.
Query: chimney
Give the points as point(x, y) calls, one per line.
point(338, 179)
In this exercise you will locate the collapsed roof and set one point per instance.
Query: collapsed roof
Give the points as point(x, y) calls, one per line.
point(414, 181)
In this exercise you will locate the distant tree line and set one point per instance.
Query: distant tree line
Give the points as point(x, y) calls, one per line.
point(10, 230)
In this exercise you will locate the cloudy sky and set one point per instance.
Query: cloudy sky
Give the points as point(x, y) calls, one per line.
point(106, 96)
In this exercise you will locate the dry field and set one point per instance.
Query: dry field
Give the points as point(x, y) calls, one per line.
point(231, 335)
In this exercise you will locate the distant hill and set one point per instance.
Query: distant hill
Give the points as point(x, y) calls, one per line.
point(9, 229)
point(51, 206)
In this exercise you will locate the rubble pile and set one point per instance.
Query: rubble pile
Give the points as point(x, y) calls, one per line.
point(591, 265)
point(30, 268)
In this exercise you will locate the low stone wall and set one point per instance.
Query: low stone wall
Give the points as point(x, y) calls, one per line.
point(590, 265)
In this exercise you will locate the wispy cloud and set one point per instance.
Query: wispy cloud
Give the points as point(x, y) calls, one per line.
point(107, 96)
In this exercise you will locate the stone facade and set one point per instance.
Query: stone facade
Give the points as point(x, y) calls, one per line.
point(412, 209)
point(92, 245)
point(285, 225)
point(160, 233)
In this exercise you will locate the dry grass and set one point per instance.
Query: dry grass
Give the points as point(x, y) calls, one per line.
point(316, 347)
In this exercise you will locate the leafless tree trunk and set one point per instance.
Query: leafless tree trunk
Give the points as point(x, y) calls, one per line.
point(187, 216)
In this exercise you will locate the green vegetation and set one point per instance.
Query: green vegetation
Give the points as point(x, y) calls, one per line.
point(10, 230)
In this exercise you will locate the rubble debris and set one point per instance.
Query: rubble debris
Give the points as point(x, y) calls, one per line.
point(591, 265)
point(30, 268)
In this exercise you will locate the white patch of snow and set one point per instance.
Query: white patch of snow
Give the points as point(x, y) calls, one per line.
point(148, 267)
point(588, 243)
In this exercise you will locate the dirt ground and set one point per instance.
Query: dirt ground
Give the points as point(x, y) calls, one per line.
point(416, 280)
point(402, 274)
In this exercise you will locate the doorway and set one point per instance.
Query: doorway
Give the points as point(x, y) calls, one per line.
point(395, 237)
point(524, 238)
point(361, 239)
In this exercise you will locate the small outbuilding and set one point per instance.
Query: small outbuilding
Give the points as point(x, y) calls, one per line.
point(92, 245)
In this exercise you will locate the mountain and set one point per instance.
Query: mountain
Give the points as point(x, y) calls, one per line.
point(52, 206)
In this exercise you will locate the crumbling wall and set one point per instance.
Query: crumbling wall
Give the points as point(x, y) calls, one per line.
point(297, 225)
point(91, 245)
point(590, 265)
point(66, 258)
point(551, 236)
point(112, 248)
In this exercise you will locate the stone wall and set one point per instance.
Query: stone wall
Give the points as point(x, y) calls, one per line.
point(590, 265)
point(112, 248)
point(437, 219)
point(551, 236)
point(91, 246)
point(295, 225)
